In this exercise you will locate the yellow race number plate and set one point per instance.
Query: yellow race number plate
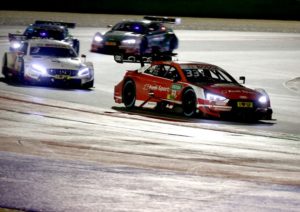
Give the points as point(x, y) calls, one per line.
point(245, 104)
point(110, 43)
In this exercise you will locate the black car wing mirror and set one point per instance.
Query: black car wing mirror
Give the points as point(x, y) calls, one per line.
point(243, 79)
point(83, 56)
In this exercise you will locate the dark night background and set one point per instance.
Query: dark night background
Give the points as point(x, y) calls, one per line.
point(253, 9)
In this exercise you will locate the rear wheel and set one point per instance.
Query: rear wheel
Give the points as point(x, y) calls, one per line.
point(189, 103)
point(4, 66)
point(129, 94)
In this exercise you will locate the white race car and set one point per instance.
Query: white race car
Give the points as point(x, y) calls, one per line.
point(46, 61)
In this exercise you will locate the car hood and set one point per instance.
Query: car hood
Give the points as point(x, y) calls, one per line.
point(120, 35)
point(232, 91)
point(57, 63)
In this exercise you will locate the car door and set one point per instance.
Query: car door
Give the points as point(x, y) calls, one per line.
point(168, 84)
point(151, 83)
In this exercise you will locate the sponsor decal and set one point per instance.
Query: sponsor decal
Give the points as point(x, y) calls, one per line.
point(174, 91)
point(156, 88)
point(176, 87)
point(172, 95)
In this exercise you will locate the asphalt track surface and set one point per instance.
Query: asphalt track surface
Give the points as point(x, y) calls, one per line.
point(76, 150)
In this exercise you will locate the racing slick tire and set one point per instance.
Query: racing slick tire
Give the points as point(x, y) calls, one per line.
point(143, 46)
point(173, 43)
point(21, 76)
point(76, 45)
point(129, 94)
point(4, 67)
point(189, 102)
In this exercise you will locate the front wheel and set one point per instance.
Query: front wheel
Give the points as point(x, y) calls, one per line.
point(189, 103)
point(129, 95)
point(21, 75)
point(173, 43)
point(88, 85)
point(76, 45)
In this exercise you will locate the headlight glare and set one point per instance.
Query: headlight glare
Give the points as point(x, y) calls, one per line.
point(214, 97)
point(129, 41)
point(84, 71)
point(263, 99)
point(98, 38)
point(15, 45)
point(39, 68)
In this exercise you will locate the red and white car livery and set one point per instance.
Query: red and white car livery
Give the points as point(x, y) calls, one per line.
point(48, 61)
point(195, 87)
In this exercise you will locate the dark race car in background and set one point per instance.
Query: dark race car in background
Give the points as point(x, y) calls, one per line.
point(133, 38)
point(192, 87)
point(45, 29)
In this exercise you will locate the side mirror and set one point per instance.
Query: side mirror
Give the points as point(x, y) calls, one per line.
point(84, 57)
point(242, 78)
point(109, 26)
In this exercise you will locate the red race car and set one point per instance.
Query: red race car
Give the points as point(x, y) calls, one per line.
point(193, 86)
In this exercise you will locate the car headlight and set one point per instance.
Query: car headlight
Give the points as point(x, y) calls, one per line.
point(129, 41)
point(84, 71)
point(98, 38)
point(214, 97)
point(39, 68)
point(263, 99)
point(15, 45)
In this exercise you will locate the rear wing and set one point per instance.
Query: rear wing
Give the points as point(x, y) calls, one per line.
point(163, 19)
point(57, 23)
point(119, 58)
point(16, 37)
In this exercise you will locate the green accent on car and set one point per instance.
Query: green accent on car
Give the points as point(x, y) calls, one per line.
point(176, 87)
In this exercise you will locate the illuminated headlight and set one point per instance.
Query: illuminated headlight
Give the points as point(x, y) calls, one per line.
point(129, 41)
point(263, 99)
point(214, 97)
point(84, 71)
point(98, 38)
point(39, 68)
point(16, 45)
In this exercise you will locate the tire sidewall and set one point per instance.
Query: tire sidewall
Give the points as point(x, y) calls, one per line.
point(189, 102)
point(173, 43)
point(129, 86)
point(143, 46)
point(76, 45)
point(4, 65)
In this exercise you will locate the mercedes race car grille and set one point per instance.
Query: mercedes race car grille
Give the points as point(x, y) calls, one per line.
point(67, 72)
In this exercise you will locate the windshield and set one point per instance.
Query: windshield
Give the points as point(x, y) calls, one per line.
point(130, 27)
point(207, 74)
point(44, 33)
point(52, 51)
